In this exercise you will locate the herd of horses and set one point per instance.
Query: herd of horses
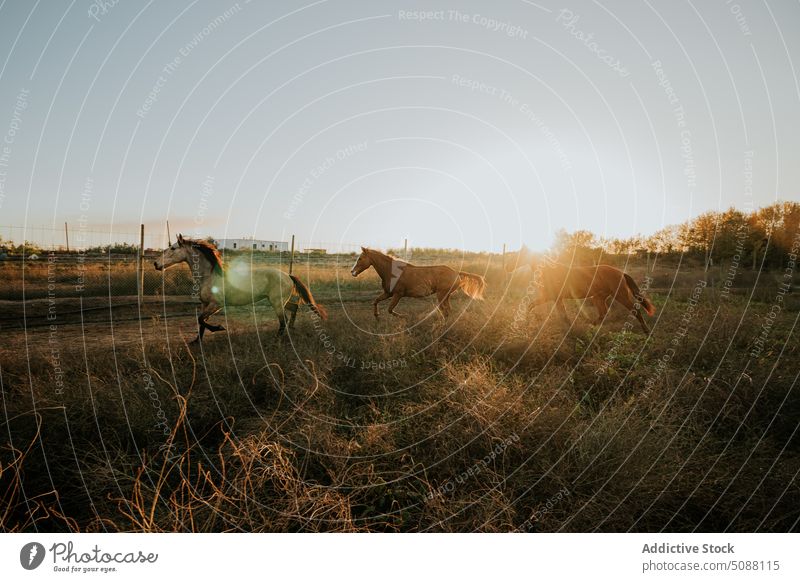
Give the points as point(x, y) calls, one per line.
point(217, 285)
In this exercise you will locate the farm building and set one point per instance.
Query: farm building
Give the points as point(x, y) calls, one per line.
point(251, 244)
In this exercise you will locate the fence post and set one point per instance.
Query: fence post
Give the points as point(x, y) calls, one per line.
point(169, 240)
point(66, 236)
point(140, 267)
point(291, 257)
point(405, 249)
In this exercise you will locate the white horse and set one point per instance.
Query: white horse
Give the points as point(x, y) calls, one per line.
point(217, 286)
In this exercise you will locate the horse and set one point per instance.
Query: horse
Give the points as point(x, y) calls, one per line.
point(217, 285)
point(402, 279)
point(558, 282)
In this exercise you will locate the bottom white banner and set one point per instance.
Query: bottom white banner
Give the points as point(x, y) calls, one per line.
point(355, 557)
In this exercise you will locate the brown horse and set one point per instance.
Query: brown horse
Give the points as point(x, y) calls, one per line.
point(598, 283)
point(402, 279)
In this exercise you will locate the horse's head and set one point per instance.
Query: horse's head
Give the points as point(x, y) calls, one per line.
point(522, 258)
point(362, 263)
point(177, 253)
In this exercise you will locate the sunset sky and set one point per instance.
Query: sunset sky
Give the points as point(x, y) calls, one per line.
point(454, 124)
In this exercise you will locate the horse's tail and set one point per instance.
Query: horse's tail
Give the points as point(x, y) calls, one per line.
point(472, 284)
point(305, 295)
point(643, 301)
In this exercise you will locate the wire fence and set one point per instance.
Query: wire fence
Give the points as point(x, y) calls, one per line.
point(70, 237)
point(110, 264)
point(44, 262)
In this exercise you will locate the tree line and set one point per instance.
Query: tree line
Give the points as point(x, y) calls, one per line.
point(765, 238)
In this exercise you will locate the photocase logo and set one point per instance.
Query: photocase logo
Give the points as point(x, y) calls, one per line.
point(31, 555)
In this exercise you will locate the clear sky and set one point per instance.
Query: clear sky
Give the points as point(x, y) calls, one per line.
point(455, 124)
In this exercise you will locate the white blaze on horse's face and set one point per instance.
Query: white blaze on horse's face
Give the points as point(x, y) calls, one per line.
point(361, 265)
point(171, 256)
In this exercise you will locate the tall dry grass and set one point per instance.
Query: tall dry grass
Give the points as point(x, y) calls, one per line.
point(492, 422)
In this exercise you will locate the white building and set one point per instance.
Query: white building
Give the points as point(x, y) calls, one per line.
point(251, 244)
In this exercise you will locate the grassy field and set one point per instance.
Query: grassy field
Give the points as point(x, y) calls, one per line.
point(497, 420)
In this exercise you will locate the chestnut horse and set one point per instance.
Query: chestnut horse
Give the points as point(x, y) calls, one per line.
point(402, 279)
point(598, 283)
point(216, 285)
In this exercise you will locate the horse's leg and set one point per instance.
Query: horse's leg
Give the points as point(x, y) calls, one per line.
point(280, 313)
point(446, 303)
point(382, 297)
point(393, 303)
point(281, 322)
point(623, 298)
point(210, 310)
point(207, 311)
point(278, 300)
point(443, 304)
point(201, 329)
point(638, 313)
point(291, 307)
point(536, 303)
point(600, 303)
point(446, 306)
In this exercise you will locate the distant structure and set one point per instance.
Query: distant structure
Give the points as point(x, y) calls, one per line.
point(251, 244)
point(315, 251)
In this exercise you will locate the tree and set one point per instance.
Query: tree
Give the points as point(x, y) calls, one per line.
point(580, 247)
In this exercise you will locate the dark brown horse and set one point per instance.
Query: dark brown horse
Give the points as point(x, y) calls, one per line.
point(598, 283)
point(402, 279)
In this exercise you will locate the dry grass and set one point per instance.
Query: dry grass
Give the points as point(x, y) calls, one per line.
point(415, 426)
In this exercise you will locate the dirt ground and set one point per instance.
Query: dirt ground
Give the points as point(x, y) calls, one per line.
point(102, 321)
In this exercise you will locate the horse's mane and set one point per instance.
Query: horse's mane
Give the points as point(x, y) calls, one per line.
point(387, 255)
point(209, 251)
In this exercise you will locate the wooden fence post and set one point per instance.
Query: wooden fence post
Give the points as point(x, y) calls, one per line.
point(291, 257)
point(66, 236)
point(140, 267)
